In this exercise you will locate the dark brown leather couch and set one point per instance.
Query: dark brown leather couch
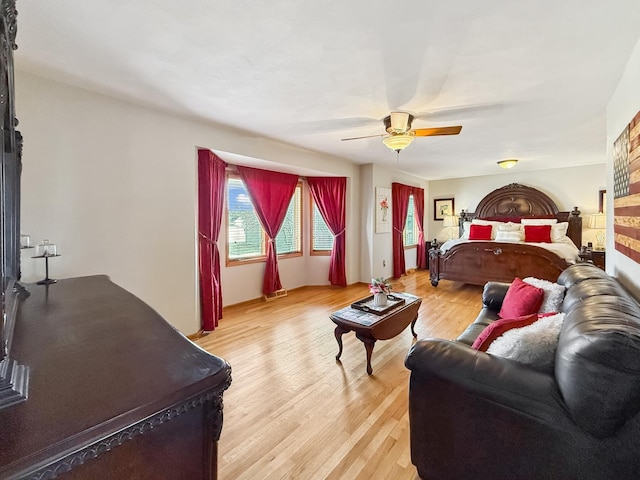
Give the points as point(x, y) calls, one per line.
point(478, 416)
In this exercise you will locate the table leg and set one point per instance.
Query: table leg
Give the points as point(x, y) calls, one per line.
point(413, 324)
point(368, 346)
point(338, 332)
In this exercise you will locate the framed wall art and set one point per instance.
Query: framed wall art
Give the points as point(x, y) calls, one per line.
point(383, 210)
point(442, 207)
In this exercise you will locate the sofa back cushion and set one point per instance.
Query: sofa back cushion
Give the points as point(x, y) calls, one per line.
point(597, 365)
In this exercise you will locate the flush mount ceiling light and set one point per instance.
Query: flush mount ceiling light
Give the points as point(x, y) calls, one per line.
point(399, 141)
point(510, 163)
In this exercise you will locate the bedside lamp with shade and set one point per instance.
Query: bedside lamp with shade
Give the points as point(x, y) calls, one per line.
point(598, 222)
point(449, 222)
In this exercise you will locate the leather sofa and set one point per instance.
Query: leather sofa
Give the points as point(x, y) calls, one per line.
point(475, 416)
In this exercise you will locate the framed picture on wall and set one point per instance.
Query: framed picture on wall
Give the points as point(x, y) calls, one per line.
point(442, 207)
point(383, 210)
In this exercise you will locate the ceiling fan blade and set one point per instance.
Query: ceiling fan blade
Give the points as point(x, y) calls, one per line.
point(368, 136)
point(431, 132)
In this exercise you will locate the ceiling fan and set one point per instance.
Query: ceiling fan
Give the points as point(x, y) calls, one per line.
point(400, 135)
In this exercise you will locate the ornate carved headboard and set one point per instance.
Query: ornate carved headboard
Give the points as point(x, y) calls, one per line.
point(515, 201)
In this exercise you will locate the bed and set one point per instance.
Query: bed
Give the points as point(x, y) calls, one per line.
point(477, 262)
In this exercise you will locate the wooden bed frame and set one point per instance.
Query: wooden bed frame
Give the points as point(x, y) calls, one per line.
point(479, 262)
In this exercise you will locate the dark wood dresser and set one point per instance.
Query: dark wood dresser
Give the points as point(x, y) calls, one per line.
point(115, 392)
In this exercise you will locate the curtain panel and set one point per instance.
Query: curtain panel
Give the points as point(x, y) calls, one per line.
point(329, 193)
point(418, 205)
point(270, 194)
point(211, 180)
point(400, 205)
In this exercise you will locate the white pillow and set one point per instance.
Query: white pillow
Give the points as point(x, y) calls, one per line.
point(466, 228)
point(559, 232)
point(510, 227)
point(533, 345)
point(539, 221)
point(553, 294)
point(506, 236)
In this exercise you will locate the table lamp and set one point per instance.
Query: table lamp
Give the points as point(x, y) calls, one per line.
point(449, 222)
point(598, 221)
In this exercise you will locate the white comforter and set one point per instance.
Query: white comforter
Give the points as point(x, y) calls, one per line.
point(565, 249)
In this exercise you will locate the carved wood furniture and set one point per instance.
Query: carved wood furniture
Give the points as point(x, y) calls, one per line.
point(479, 262)
point(370, 327)
point(115, 391)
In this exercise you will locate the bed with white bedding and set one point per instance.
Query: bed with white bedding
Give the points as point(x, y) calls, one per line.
point(496, 249)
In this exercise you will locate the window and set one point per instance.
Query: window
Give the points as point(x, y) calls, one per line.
point(246, 240)
point(321, 236)
point(410, 232)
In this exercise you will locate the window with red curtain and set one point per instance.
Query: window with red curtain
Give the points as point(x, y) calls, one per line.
point(211, 179)
point(400, 204)
point(270, 194)
point(329, 194)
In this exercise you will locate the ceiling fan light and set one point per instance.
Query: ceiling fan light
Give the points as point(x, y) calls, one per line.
point(398, 142)
point(510, 163)
point(400, 121)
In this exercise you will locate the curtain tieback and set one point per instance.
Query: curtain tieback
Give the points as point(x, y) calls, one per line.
point(212, 242)
point(341, 232)
point(398, 230)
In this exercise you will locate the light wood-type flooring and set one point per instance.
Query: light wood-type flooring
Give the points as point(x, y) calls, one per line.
point(294, 412)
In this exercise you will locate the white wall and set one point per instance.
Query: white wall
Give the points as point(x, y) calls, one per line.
point(568, 187)
point(623, 106)
point(114, 186)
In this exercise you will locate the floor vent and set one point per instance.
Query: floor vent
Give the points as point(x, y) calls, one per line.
point(277, 294)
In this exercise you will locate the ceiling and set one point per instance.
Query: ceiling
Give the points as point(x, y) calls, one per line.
point(526, 80)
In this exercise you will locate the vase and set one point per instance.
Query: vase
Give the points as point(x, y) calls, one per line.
point(379, 299)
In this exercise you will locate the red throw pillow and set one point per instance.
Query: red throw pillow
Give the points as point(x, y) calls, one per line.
point(521, 299)
point(480, 232)
point(497, 328)
point(537, 233)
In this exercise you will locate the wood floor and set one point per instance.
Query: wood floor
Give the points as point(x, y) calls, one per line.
point(294, 412)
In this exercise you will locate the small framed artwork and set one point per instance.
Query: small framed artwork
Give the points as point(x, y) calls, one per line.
point(383, 210)
point(602, 201)
point(442, 207)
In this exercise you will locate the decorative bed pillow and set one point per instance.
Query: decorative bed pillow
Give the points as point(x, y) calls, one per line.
point(539, 221)
point(559, 232)
point(553, 294)
point(495, 225)
point(480, 232)
point(497, 328)
point(509, 227)
point(533, 344)
point(537, 233)
point(466, 226)
point(521, 299)
point(514, 236)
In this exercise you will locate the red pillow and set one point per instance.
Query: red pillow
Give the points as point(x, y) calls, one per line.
point(497, 328)
point(537, 233)
point(521, 299)
point(480, 232)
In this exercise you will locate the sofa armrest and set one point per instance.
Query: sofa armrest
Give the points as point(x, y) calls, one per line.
point(501, 381)
point(493, 295)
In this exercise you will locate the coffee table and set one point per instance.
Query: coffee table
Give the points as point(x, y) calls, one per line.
point(370, 327)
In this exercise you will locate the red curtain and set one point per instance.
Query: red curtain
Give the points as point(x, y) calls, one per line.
point(400, 200)
point(418, 205)
point(211, 179)
point(270, 194)
point(329, 193)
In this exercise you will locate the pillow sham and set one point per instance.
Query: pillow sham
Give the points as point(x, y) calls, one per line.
point(521, 299)
point(465, 229)
point(480, 232)
point(509, 227)
point(553, 294)
point(539, 221)
point(559, 232)
point(537, 233)
point(494, 225)
point(497, 328)
point(507, 236)
point(533, 344)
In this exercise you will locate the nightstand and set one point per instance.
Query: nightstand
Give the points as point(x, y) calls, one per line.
point(598, 258)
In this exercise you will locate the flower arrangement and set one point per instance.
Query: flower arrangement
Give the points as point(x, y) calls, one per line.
point(379, 285)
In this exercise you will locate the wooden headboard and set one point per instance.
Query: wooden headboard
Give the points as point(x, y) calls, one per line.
point(515, 201)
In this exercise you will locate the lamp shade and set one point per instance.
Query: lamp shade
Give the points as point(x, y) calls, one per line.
point(398, 142)
point(598, 220)
point(450, 221)
point(510, 163)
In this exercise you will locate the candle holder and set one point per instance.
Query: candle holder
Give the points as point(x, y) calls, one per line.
point(46, 250)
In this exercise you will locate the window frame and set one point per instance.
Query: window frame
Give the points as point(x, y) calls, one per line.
point(232, 262)
point(415, 227)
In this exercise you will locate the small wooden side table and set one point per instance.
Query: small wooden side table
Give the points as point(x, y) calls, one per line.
point(370, 327)
point(598, 257)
